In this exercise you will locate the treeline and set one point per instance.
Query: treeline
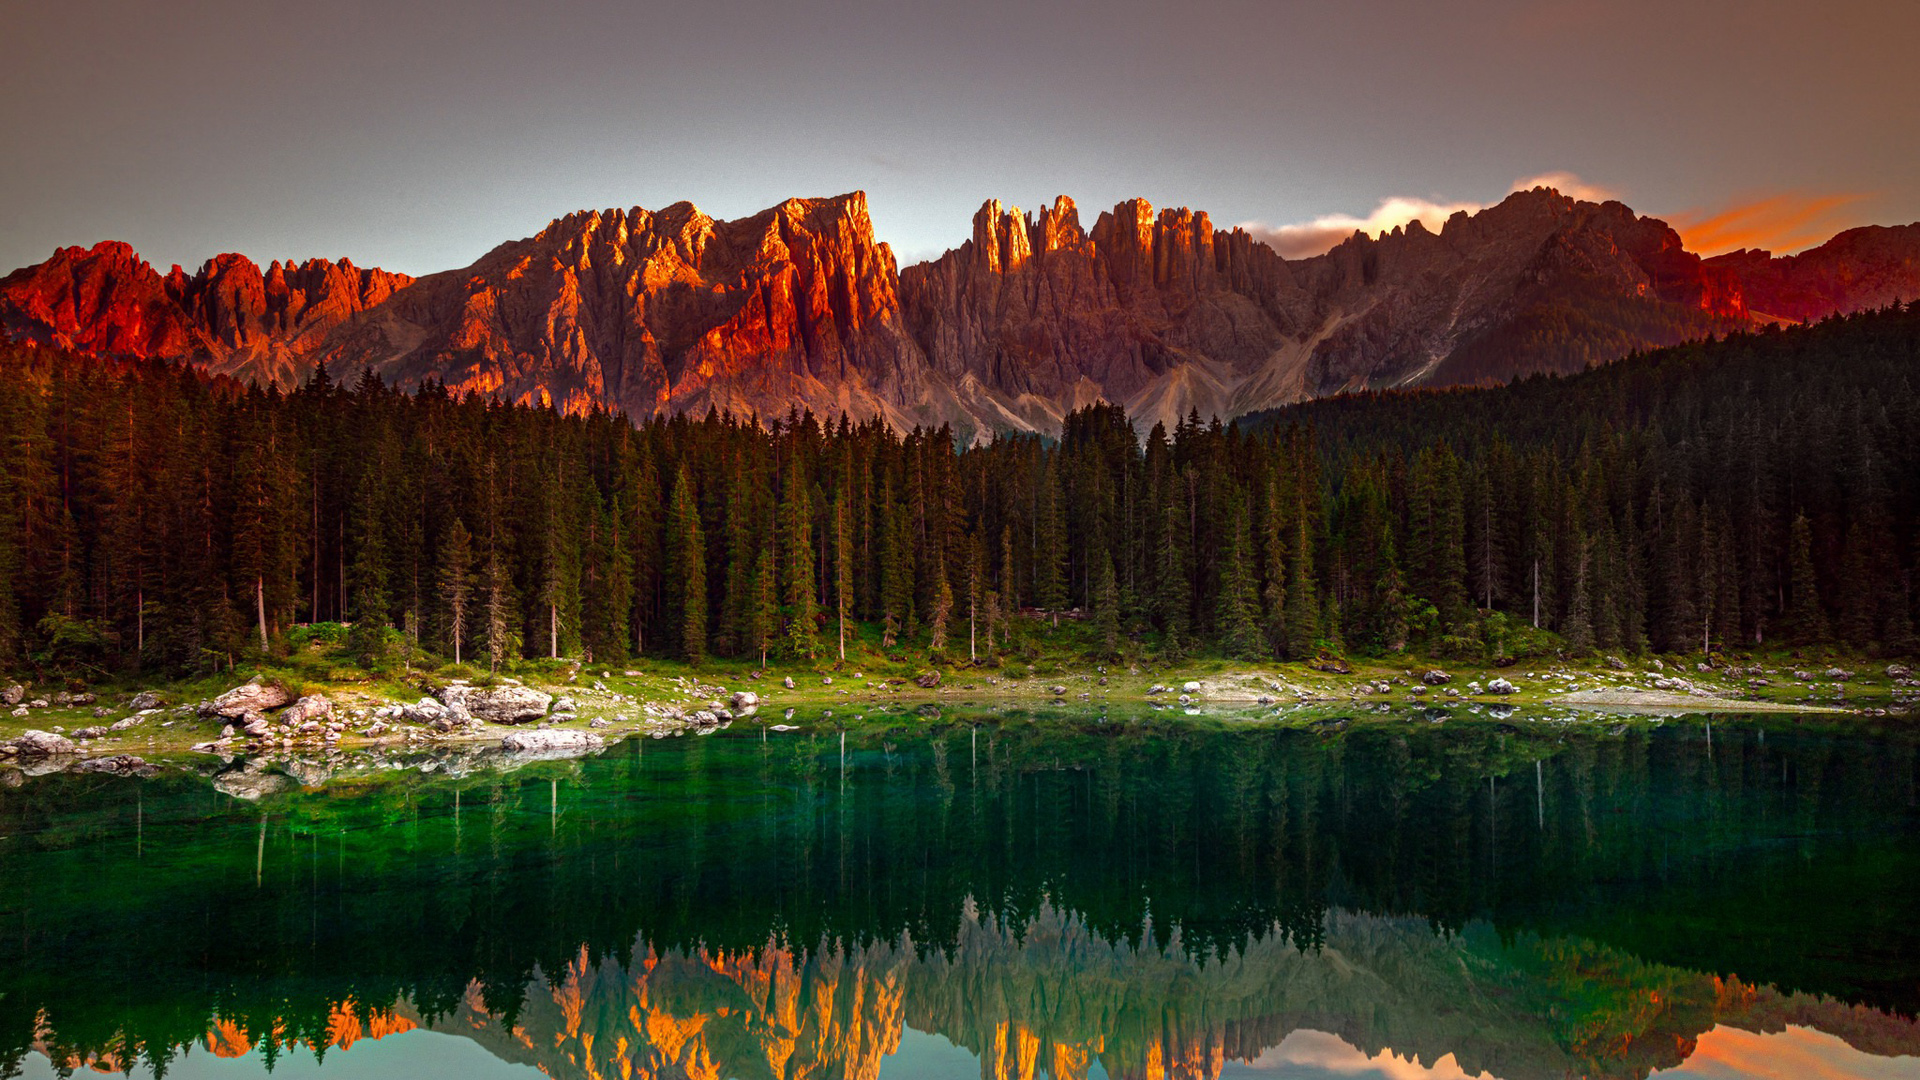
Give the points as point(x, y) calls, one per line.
point(1716, 496)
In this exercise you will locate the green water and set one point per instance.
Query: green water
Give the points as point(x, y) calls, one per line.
point(1001, 898)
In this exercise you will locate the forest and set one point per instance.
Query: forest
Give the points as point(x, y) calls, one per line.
point(1756, 490)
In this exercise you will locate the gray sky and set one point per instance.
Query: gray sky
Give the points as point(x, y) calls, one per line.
point(416, 136)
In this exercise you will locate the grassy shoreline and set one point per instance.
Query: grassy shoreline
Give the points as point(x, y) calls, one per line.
point(653, 697)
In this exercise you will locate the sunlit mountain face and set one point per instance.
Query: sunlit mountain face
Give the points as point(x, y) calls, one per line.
point(659, 312)
point(1007, 898)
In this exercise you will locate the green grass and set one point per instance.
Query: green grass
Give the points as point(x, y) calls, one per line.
point(1021, 674)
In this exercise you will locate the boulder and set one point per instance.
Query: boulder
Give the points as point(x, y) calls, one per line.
point(253, 697)
point(1501, 686)
point(1436, 677)
point(1331, 665)
point(1058, 691)
point(1839, 674)
point(427, 711)
point(787, 682)
point(86, 734)
point(13, 695)
point(505, 704)
point(43, 744)
point(129, 722)
point(566, 704)
point(1190, 687)
point(743, 699)
point(308, 709)
point(145, 699)
point(1899, 671)
point(927, 679)
point(550, 739)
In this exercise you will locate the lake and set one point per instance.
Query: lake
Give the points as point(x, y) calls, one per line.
point(998, 896)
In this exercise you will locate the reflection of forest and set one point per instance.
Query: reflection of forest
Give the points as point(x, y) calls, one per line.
point(1053, 997)
point(1530, 898)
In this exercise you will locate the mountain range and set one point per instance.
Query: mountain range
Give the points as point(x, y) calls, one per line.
point(798, 306)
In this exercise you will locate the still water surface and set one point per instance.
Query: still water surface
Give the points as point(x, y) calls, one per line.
point(990, 897)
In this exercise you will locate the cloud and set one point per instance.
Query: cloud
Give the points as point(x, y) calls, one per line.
point(1567, 184)
point(1785, 222)
point(1324, 233)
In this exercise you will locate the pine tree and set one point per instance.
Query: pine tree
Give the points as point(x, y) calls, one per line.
point(976, 584)
point(501, 614)
point(1106, 598)
point(842, 566)
point(763, 622)
point(1578, 629)
point(1173, 600)
point(367, 581)
point(803, 605)
point(1804, 613)
point(1050, 548)
point(942, 608)
point(896, 576)
point(1238, 617)
point(456, 583)
point(687, 571)
point(609, 592)
point(1303, 606)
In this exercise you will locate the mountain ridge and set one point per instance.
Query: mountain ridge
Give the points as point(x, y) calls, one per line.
point(799, 307)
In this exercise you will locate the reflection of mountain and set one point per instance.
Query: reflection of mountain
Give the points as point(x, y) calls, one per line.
point(347, 1023)
point(1051, 997)
point(1531, 898)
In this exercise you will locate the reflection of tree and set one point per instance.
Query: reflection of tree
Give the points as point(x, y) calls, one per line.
point(1647, 846)
point(1050, 996)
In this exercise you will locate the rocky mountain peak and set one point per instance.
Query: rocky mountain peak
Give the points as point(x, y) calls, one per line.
point(655, 311)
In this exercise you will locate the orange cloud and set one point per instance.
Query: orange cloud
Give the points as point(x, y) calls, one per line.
point(1779, 223)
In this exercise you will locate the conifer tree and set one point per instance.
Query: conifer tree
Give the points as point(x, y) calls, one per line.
point(1303, 605)
point(456, 583)
point(1174, 594)
point(1804, 613)
point(1238, 617)
point(942, 608)
point(1578, 629)
point(367, 581)
point(1106, 598)
point(687, 571)
point(608, 597)
point(1273, 565)
point(764, 615)
point(896, 577)
point(1050, 549)
point(803, 605)
point(842, 566)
